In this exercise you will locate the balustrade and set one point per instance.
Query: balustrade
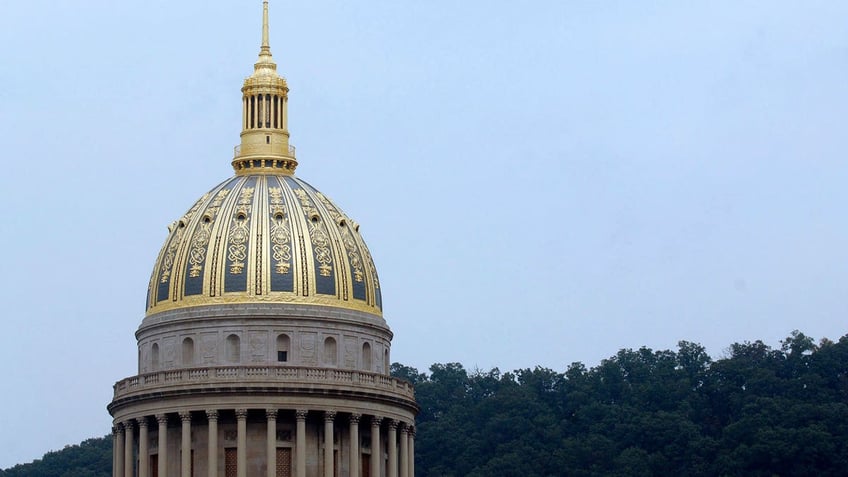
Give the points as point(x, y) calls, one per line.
point(281, 375)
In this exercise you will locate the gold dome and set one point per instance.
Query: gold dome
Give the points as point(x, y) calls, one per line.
point(264, 235)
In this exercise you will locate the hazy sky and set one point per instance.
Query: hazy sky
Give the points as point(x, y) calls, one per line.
point(539, 182)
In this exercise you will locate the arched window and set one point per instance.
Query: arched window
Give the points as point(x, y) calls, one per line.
point(233, 349)
point(366, 357)
point(283, 346)
point(154, 357)
point(188, 352)
point(330, 351)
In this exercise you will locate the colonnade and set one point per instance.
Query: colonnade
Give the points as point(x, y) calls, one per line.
point(400, 445)
point(265, 111)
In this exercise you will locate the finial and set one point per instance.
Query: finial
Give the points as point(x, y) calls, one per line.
point(266, 44)
point(265, 58)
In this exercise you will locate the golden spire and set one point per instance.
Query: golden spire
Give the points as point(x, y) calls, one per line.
point(265, 57)
point(265, 144)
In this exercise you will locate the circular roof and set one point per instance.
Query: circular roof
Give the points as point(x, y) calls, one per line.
point(264, 238)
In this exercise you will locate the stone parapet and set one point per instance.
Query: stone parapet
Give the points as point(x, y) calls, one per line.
point(263, 377)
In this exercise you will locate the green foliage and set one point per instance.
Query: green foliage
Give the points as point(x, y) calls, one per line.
point(91, 458)
point(758, 412)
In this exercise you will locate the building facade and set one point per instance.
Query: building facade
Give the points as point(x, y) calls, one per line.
point(264, 351)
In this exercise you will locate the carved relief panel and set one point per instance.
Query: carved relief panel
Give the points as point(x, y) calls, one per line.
point(209, 348)
point(307, 349)
point(170, 355)
point(258, 343)
point(350, 351)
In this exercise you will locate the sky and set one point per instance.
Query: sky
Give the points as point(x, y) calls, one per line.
point(539, 182)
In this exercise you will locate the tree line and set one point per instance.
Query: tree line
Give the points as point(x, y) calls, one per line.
point(757, 411)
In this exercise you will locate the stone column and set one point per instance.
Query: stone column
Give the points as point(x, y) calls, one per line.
point(329, 417)
point(162, 419)
point(185, 445)
point(354, 445)
point(114, 449)
point(143, 451)
point(412, 451)
point(404, 451)
point(376, 452)
point(212, 464)
point(271, 414)
point(392, 466)
point(129, 447)
point(119, 451)
point(300, 445)
point(241, 451)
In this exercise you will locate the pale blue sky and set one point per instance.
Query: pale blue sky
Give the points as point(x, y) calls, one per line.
point(539, 182)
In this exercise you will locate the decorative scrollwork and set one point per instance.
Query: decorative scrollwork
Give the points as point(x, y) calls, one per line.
point(280, 234)
point(347, 238)
point(178, 231)
point(240, 231)
point(201, 237)
point(320, 240)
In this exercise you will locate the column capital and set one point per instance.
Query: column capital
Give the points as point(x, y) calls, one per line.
point(271, 414)
point(404, 428)
point(329, 416)
point(212, 414)
point(393, 424)
point(162, 419)
point(241, 414)
point(300, 414)
point(185, 416)
point(354, 418)
point(376, 421)
point(412, 430)
point(119, 428)
point(141, 422)
point(129, 425)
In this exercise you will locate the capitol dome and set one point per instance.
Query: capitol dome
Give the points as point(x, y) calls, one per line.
point(263, 347)
point(264, 236)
